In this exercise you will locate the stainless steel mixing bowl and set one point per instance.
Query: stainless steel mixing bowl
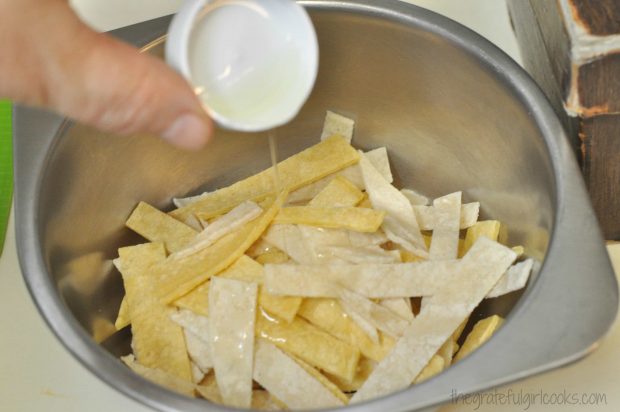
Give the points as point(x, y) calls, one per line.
point(455, 113)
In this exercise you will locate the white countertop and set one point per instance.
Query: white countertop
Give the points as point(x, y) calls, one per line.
point(38, 374)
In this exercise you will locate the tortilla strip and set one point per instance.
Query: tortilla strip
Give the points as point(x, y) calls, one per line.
point(480, 270)
point(196, 330)
point(487, 228)
point(337, 124)
point(361, 254)
point(181, 276)
point(338, 193)
point(272, 256)
point(415, 198)
point(197, 374)
point(327, 314)
point(310, 344)
point(376, 315)
point(356, 219)
point(156, 226)
point(247, 270)
point(231, 221)
point(364, 368)
point(331, 386)
point(232, 306)
point(289, 239)
point(184, 201)
point(480, 333)
point(312, 164)
point(264, 401)
point(288, 381)
point(160, 377)
point(360, 320)
point(445, 241)
point(400, 306)
point(375, 281)
point(157, 341)
point(434, 366)
point(196, 301)
point(122, 319)
point(378, 157)
point(515, 278)
point(427, 217)
point(208, 389)
point(400, 224)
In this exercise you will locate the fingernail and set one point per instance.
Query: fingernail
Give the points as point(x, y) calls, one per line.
point(188, 132)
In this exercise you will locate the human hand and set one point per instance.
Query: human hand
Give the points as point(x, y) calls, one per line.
point(49, 58)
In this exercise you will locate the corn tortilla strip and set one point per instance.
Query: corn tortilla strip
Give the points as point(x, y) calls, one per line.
point(196, 330)
point(310, 344)
point(446, 352)
point(122, 319)
point(272, 256)
point(199, 352)
point(400, 224)
point(427, 217)
point(487, 228)
point(360, 320)
point(157, 341)
point(232, 307)
point(312, 164)
point(357, 219)
point(196, 301)
point(445, 241)
point(185, 201)
point(376, 315)
point(248, 270)
point(515, 278)
point(156, 226)
point(327, 314)
point(400, 306)
point(338, 193)
point(375, 281)
point(263, 401)
point(335, 123)
point(365, 202)
point(480, 333)
point(195, 223)
point(331, 386)
point(160, 377)
point(364, 368)
point(289, 239)
point(181, 276)
point(259, 247)
point(435, 366)
point(519, 250)
point(315, 238)
point(480, 270)
point(288, 381)
point(378, 157)
point(208, 389)
point(231, 221)
point(197, 374)
point(361, 254)
point(415, 198)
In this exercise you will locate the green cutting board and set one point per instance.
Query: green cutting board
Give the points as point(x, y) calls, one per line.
point(6, 168)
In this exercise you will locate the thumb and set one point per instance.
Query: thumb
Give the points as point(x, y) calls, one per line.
point(103, 82)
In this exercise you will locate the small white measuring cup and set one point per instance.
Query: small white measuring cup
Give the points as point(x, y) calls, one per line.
point(253, 63)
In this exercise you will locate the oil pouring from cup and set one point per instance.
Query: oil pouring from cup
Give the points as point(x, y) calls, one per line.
point(253, 63)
